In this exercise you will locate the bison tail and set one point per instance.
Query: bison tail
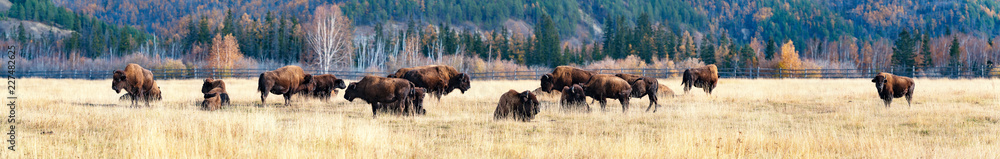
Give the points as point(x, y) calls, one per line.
point(261, 83)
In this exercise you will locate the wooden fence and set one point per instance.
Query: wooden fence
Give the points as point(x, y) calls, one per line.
point(927, 72)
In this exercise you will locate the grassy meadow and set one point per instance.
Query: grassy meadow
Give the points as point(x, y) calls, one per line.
point(744, 118)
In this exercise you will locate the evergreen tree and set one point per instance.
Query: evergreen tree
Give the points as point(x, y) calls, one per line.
point(770, 49)
point(955, 53)
point(747, 56)
point(925, 50)
point(903, 53)
point(708, 50)
point(547, 41)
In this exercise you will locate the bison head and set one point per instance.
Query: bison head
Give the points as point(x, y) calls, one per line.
point(879, 81)
point(208, 85)
point(461, 81)
point(547, 83)
point(339, 84)
point(118, 81)
point(530, 104)
point(575, 92)
point(351, 92)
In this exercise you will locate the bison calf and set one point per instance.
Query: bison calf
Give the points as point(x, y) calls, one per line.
point(519, 106)
point(324, 86)
point(603, 86)
point(642, 86)
point(704, 77)
point(891, 86)
point(573, 97)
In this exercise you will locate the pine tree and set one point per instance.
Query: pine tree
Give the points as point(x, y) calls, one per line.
point(903, 53)
point(925, 50)
point(708, 50)
point(955, 52)
point(770, 49)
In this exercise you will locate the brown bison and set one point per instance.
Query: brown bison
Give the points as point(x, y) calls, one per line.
point(211, 85)
point(324, 86)
point(573, 97)
point(603, 86)
point(642, 86)
point(136, 82)
point(891, 86)
point(283, 81)
point(519, 106)
point(664, 91)
point(153, 93)
point(213, 99)
point(437, 79)
point(383, 92)
point(564, 76)
point(702, 77)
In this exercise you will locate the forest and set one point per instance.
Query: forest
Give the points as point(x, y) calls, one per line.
point(852, 34)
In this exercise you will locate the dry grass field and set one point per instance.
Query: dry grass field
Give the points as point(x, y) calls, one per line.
point(791, 118)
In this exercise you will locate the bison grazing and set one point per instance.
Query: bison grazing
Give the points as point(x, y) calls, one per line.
point(603, 86)
point(437, 79)
point(217, 88)
point(564, 76)
point(323, 86)
point(137, 82)
point(283, 81)
point(382, 92)
point(642, 86)
point(519, 106)
point(702, 77)
point(573, 97)
point(214, 99)
point(153, 93)
point(891, 86)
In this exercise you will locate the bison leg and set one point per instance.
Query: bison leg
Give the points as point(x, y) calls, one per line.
point(652, 102)
point(623, 98)
point(375, 108)
point(909, 96)
point(263, 97)
point(888, 102)
point(603, 102)
point(288, 98)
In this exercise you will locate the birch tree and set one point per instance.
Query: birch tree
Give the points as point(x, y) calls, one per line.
point(331, 38)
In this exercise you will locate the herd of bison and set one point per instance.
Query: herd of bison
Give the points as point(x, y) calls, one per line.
point(402, 92)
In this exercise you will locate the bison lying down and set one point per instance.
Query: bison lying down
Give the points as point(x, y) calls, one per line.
point(386, 94)
point(214, 99)
point(702, 77)
point(216, 88)
point(519, 106)
point(136, 82)
point(604, 86)
point(573, 97)
point(283, 81)
point(891, 86)
point(564, 76)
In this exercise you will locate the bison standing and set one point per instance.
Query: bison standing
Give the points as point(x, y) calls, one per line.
point(437, 79)
point(519, 106)
point(573, 97)
point(704, 77)
point(138, 82)
point(642, 86)
point(153, 93)
point(891, 86)
point(323, 86)
point(564, 76)
point(283, 81)
point(603, 86)
point(383, 93)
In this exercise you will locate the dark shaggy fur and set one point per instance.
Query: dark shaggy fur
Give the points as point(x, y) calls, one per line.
point(138, 82)
point(642, 86)
point(383, 93)
point(213, 99)
point(519, 106)
point(437, 79)
point(604, 86)
point(324, 85)
point(573, 97)
point(891, 86)
point(564, 76)
point(702, 77)
point(283, 81)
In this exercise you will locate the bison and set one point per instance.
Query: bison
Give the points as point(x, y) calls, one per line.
point(603, 86)
point(519, 106)
point(891, 86)
point(704, 77)
point(211, 85)
point(564, 76)
point(138, 82)
point(153, 93)
point(214, 99)
point(283, 81)
point(573, 97)
point(324, 86)
point(437, 79)
point(382, 93)
point(642, 86)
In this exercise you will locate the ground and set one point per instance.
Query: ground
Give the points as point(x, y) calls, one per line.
point(770, 118)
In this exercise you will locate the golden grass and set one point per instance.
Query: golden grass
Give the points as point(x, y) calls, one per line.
point(794, 118)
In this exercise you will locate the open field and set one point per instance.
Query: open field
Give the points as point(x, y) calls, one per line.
point(793, 118)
